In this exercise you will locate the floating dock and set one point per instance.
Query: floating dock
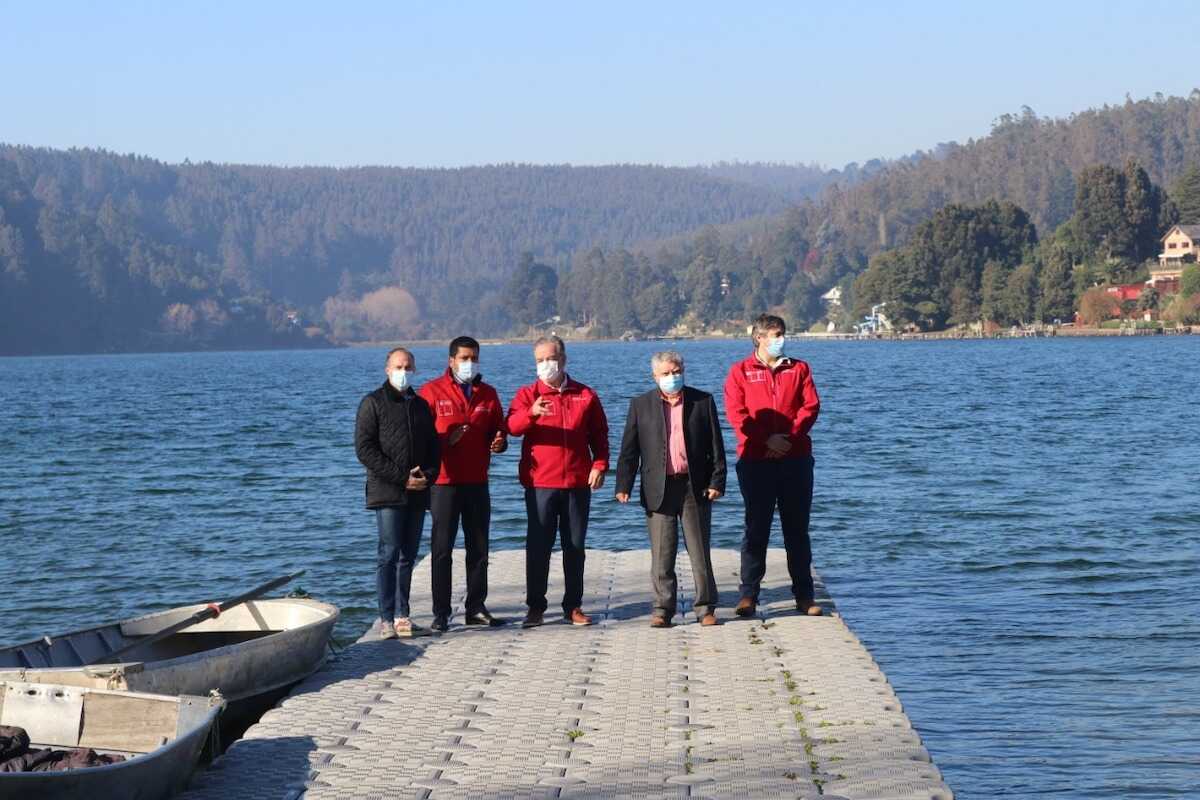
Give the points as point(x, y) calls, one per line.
point(783, 705)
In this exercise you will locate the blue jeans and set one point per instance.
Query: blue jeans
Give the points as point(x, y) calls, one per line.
point(788, 484)
point(399, 540)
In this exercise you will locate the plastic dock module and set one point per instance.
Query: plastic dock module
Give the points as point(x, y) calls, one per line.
point(782, 705)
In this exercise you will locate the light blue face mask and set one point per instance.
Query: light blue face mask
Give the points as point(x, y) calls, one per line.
point(670, 384)
point(399, 378)
point(466, 371)
point(775, 346)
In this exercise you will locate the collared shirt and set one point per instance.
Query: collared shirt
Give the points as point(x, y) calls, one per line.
point(677, 463)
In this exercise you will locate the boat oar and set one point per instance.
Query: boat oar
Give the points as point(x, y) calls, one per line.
point(208, 612)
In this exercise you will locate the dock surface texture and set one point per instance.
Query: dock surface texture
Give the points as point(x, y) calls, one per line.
point(782, 705)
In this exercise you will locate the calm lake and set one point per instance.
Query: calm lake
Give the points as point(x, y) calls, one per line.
point(1011, 527)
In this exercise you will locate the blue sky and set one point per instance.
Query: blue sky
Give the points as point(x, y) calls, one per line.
point(457, 83)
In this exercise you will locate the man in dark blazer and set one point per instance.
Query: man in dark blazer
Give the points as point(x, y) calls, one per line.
point(673, 434)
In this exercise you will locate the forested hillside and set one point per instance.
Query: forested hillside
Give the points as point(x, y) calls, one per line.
point(107, 252)
point(1039, 168)
point(100, 252)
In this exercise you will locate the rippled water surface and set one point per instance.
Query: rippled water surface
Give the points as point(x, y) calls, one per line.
point(1011, 527)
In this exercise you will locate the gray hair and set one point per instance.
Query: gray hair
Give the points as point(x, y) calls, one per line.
point(665, 357)
point(554, 340)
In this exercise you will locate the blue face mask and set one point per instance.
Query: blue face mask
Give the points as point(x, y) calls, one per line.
point(670, 384)
point(466, 371)
point(775, 346)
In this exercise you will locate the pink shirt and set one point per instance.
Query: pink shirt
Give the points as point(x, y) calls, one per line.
point(677, 463)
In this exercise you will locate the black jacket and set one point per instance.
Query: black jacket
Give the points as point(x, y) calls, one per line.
point(393, 433)
point(644, 444)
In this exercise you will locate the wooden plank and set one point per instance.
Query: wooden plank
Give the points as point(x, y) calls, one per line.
point(115, 722)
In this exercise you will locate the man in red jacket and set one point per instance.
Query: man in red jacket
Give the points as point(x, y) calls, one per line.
point(771, 402)
point(563, 460)
point(470, 427)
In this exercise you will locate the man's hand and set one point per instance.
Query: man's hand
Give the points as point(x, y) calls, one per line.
point(457, 433)
point(713, 494)
point(779, 444)
point(499, 443)
point(595, 479)
point(417, 482)
point(622, 497)
point(540, 406)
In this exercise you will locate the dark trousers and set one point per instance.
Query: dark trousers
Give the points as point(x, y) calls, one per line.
point(552, 512)
point(788, 484)
point(680, 504)
point(447, 505)
point(399, 540)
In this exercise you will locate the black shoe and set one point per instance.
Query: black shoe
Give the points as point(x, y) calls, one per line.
point(440, 624)
point(485, 618)
point(533, 619)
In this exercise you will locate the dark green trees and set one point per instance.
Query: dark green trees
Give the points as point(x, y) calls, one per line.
point(530, 295)
point(954, 269)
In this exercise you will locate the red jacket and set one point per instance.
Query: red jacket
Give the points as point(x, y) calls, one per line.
point(563, 446)
point(760, 401)
point(467, 460)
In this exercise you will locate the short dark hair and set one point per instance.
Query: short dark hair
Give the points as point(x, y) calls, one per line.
point(462, 341)
point(767, 322)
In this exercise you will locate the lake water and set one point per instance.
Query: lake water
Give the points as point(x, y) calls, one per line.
point(1011, 527)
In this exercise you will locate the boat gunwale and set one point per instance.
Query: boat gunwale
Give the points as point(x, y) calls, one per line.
point(331, 615)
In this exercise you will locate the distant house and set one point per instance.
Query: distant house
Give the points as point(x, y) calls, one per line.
point(833, 297)
point(1180, 246)
point(1126, 291)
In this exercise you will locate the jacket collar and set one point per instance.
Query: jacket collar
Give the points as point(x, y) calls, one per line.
point(754, 361)
point(390, 393)
point(567, 385)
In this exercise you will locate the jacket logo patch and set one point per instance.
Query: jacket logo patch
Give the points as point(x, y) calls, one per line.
point(756, 376)
point(445, 408)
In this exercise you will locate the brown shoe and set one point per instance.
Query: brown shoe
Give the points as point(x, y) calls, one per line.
point(709, 619)
point(577, 617)
point(532, 620)
point(745, 607)
point(809, 608)
point(659, 622)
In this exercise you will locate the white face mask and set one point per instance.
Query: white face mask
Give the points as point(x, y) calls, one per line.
point(398, 378)
point(775, 346)
point(466, 371)
point(548, 370)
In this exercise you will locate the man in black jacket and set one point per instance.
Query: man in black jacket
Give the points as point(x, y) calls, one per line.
point(673, 433)
point(395, 440)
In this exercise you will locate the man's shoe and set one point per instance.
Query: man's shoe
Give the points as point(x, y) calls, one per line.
point(532, 620)
point(440, 625)
point(746, 607)
point(709, 620)
point(577, 617)
point(386, 630)
point(405, 628)
point(809, 608)
point(485, 618)
point(660, 622)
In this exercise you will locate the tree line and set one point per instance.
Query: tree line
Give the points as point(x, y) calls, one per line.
point(922, 231)
point(106, 252)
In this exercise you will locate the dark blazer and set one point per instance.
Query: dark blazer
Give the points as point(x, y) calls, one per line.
point(644, 444)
